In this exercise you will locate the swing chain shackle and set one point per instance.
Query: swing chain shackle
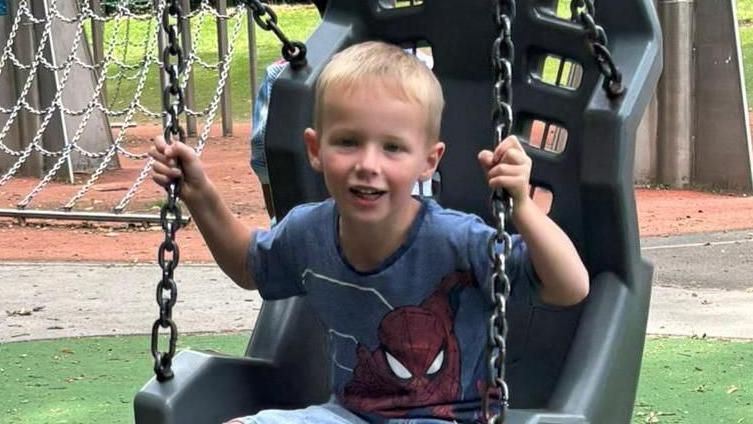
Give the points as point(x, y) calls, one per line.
point(168, 254)
point(585, 12)
point(292, 51)
point(503, 56)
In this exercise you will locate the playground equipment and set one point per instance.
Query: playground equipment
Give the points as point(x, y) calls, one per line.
point(579, 366)
point(56, 112)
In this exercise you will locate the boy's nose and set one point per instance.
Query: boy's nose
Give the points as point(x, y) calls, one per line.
point(368, 163)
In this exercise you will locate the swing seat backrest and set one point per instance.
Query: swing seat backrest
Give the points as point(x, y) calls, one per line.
point(589, 175)
point(579, 366)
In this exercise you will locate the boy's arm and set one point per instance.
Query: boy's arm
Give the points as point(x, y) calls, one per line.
point(564, 279)
point(226, 236)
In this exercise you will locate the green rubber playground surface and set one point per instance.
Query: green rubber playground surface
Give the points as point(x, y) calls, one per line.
point(683, 380)
point(691, 380)
point(85, 380)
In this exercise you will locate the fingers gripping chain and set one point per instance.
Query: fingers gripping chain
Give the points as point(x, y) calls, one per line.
point(168, 254)
point(503, 52)
point(585, 12)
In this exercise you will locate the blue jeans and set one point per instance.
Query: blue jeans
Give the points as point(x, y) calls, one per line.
point(327, 413)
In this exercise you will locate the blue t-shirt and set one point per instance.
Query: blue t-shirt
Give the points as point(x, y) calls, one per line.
point(408, 339)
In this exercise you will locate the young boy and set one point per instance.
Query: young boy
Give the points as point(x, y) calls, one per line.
point(399, 282)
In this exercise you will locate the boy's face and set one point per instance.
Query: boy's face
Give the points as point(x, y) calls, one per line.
point(372, 149)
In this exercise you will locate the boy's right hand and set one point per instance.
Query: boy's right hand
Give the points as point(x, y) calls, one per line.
point(508, 167)
point(165, 168)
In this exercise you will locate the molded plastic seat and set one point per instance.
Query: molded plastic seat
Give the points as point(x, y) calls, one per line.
point(285, 367)
point(576, 367)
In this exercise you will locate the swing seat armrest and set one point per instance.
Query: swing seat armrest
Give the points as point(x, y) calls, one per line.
point(209, 388)
point(537, 416)
point(592, 389)
point(599, 381)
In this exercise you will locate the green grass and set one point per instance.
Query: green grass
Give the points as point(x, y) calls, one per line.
point(296, 21)
point(745, 11)
point(746, 42)
point(745, 20)
point(683, 380)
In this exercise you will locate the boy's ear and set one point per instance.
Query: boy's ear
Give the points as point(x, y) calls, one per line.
point(432, 160)
point(310, 137)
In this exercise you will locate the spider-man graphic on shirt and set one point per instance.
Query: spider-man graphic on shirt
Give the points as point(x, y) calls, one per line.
point(417, 362)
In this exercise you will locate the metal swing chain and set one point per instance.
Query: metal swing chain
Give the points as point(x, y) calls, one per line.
point(292, 51)
point(168, 254)
point(503, 55)
point(584, 10)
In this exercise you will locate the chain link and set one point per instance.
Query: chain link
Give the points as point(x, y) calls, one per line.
point(503, 56)
point(292, 51)
point(168, 254)
point(585, 12)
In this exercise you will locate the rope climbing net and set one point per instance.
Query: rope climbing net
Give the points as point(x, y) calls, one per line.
point(121, 80)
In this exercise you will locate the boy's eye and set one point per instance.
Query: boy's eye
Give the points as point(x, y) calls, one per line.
point(345, 142)
point(393, 147)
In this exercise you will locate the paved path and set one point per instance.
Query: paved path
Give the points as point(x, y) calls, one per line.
point(96, 299)
point(703, 284)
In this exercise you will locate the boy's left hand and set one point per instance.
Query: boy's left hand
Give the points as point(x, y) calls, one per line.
point(508, 168)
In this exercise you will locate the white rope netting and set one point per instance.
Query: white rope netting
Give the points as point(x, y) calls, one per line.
point(128, 59)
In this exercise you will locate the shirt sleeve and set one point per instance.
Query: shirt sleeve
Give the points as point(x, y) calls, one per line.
point(273, 260)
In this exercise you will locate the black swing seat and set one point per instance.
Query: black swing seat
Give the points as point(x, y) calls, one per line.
point(579, 366)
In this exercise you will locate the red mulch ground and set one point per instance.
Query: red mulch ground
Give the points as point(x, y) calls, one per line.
point(661, 212)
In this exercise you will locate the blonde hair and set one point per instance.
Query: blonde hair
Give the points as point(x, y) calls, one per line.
point(375, 59)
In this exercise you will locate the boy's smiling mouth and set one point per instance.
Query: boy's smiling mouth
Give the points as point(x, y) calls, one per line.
point(367, 193)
